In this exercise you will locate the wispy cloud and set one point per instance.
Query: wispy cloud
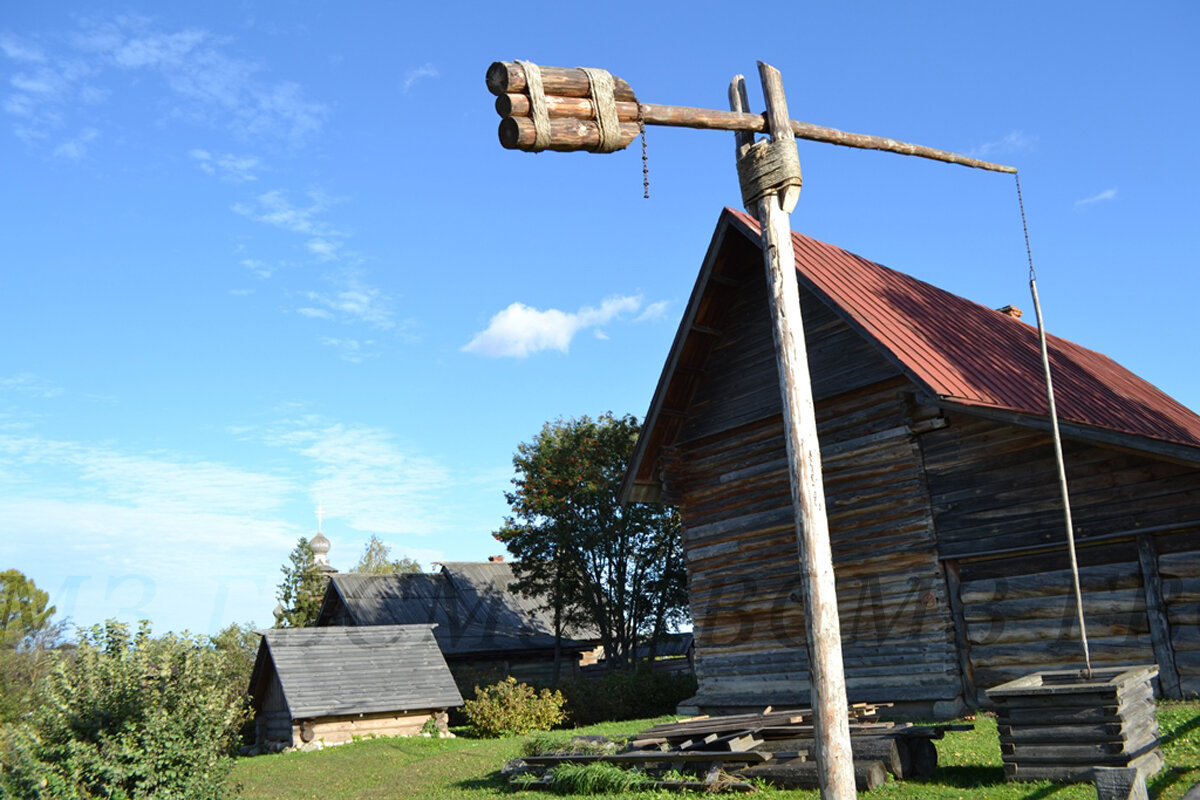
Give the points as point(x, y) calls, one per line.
point(353, 350)
point(420, 73)
point(227, 166)
point(1107, 194)
point(77, 147)
point(1011, 143)
point(30, 385)
point(61, 75)
point(365, 478)
point(520, 330)
point(351, 300)
point(275, 209)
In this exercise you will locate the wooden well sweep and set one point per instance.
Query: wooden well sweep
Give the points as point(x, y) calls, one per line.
point(1058, 725)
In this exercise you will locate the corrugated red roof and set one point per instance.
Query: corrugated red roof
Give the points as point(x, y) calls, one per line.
point(973, 355)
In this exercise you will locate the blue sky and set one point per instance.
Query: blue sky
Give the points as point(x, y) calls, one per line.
point(263, 256)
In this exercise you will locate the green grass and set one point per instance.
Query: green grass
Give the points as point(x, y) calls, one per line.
point(468, 769)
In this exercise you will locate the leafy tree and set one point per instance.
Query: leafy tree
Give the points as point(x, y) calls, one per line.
point(376, 560)
point(28, 639)
point(125, 716)
point(302, 590)
point(23, 611)
point(620, 569)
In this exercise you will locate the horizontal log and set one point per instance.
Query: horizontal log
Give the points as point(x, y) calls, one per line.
point(508, 77)
point(566, 135)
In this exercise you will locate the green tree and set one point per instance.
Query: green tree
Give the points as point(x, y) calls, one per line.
point(302, 589)
point(377, 560)
point(23, 611)
point(618, 568)
point(28, 639)
point(125, 716)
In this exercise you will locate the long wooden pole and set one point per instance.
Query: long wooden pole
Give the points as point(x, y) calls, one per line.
point(835, 760)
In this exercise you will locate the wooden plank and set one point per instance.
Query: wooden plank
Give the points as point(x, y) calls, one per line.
point(1156, 613)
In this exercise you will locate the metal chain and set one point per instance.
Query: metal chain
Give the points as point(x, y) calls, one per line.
point(645, 162)
point(1025, 227)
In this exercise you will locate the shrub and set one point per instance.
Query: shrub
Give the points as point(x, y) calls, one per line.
point(626, 695)
point(126, 717)
point(509, 708)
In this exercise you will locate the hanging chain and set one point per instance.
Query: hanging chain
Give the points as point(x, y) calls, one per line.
point(645, 162)
point(1025, 227)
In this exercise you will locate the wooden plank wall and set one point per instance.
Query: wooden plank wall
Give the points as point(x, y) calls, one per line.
point(273, 721)
point(339, 729)
point(999, 528)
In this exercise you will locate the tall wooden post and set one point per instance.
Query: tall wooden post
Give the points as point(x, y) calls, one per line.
point(830, 719)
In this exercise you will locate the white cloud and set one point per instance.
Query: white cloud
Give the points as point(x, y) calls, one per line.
point(366, 479)
point(77, 147)
point(227, 166)
point(352, 350)
point(1013, 142)
point(352, 300)
point(204, 83)
point(258, 268)
point(520, 330)
point(411, 77)
point(653, 311)
point(323, 249)
point(273, 208)
point(31, 385)
point(1107, 194)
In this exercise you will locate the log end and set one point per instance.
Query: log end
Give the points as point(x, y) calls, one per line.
point(498, 76)
point(510, 134)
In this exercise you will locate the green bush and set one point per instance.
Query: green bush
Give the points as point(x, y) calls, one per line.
point(126, 717)
point(626, 695)
point(509, 708)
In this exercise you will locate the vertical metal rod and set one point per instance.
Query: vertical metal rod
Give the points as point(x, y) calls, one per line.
point(1062, 477)
point(835, 759)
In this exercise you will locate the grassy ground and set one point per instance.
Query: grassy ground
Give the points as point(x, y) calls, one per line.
point(468, 769)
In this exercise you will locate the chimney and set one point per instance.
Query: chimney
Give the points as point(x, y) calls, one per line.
point(1010, 311)
point(495, 559)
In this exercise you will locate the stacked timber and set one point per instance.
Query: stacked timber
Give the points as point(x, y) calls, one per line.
point(1059, 725)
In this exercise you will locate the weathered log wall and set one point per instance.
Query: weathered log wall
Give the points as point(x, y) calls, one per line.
point(999, 528)
point(728, 472)
point(339, 729)
point(273, 722)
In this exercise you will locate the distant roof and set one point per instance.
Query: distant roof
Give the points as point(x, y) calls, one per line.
point(964, 353)
point(327, 671)
point(469, 602)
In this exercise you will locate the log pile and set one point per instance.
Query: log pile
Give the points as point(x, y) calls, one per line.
point(774, 746)
point(1058, 725)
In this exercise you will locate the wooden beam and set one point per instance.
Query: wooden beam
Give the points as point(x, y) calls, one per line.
point(835, 759)
point(1156, 615)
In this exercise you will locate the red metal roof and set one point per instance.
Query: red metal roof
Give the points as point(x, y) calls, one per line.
point(970, 354)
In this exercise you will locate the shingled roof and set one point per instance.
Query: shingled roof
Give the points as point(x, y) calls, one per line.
point(469, 602)
point(331, 671)
point(963, 354)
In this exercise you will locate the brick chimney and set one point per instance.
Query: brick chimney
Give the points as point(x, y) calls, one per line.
point(1011, 311)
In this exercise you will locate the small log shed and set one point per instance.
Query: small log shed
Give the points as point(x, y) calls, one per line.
point(332, 684)
point(485, 631)
point(941, 490)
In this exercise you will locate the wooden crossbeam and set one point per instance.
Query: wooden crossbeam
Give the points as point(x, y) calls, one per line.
point(572, 111)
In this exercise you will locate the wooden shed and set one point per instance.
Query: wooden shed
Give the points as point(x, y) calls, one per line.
point(484, 630)
point(332, 684)
point(941, 490)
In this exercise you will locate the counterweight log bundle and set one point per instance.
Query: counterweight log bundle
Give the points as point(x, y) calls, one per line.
point(565, 109)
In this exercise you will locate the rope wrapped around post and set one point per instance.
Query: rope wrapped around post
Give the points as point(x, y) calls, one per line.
point(537, 105)
point(770, 167)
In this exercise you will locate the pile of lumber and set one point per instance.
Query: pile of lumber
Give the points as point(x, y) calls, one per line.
point(774, 746)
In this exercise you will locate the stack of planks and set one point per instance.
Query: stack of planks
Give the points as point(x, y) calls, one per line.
point(880, 748)
point(1057, 725)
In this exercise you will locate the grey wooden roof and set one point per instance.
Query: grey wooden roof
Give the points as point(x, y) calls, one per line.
point(469, 602)
point(330, 671)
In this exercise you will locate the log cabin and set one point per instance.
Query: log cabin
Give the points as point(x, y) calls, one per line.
point(485, 631)
point(334, 684)
point(941, 491)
